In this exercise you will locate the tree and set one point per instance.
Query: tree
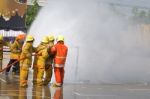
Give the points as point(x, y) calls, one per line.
point(32, 12)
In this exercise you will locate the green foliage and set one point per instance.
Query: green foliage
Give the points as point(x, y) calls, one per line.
point(32, 11)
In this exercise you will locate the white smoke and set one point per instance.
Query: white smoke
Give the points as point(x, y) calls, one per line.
point(102, 49)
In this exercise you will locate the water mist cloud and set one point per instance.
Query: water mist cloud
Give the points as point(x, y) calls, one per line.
point(102, 49)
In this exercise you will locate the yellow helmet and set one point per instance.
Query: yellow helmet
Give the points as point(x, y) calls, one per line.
point(51, 38)
point(45, 39)
point(29, 38)
point(60, 38)
point(1, 37)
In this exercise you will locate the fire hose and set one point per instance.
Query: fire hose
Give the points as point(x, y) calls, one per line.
point(15, 63)
point(9, 65)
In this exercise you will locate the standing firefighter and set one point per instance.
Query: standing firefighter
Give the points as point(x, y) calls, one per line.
point(60, 50)
point(39, 62)
point(49, 62)
point(15, 51)
point(26, 60)
point(2, 43)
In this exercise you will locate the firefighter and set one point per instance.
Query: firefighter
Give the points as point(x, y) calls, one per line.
point(2, 43)
point(49, 62)
point(15, 51)
point(26, 60)
point(35, 68)
point(60, 50)
point(39, 62)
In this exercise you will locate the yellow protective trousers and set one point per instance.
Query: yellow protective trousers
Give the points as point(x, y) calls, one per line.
point(24, 70)
point(48, 74)
point(40, 73)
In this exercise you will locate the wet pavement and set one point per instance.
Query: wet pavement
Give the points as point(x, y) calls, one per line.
point(9, 89)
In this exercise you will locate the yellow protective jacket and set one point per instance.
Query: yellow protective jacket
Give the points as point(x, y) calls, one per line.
point(15, 50)
point(49, 60)
point(39, 47)
point(3, 43)
point(26, 54)
point(42, 55)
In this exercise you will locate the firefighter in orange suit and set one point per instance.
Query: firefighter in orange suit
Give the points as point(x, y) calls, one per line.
point(49, 62)
point(2, 43)
point(26, 60)
point(15, 51)
point(60, 50)
point(42, 55)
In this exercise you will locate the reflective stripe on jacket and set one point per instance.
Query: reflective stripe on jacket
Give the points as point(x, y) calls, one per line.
point(59, 65)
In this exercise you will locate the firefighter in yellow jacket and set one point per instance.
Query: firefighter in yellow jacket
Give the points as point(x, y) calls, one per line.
point(15, 51)
point(35, 68)
point(49, 62)
point(2, 43)
point(39, 62)
point(26, 60)
point(41, 59)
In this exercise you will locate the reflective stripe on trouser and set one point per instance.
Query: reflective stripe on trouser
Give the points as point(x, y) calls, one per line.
point(48, 74)
point(61, 57)
point(40, 74)
point(35, 70)
point(24, 69)
point(59, 75)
